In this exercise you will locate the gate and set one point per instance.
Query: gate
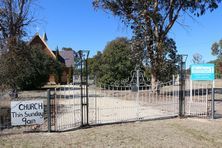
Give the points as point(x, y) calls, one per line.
point(114, 104)
point(199, 96)
point(67, 110)
point(130, 100)
point(79, 105)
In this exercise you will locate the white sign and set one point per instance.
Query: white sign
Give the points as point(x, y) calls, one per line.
point(27, 112)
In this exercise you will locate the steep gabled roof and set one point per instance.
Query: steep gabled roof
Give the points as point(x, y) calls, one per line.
point(59, 57)
point(38, 36)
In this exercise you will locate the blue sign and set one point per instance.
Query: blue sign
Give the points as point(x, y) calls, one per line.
point(202, 72)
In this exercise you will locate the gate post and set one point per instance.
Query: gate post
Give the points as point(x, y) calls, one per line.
point(182, 85)
point(84, 87)
point(49, 109)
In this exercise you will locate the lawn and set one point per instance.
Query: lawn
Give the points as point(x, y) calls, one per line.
point(176, 132)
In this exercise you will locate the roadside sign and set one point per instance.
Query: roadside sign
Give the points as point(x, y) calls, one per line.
point(27, 112)
point(202, 72)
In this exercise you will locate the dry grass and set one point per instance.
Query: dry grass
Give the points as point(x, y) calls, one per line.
point(160, 133)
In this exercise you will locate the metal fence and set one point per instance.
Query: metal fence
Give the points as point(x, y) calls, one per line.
point(204, 98)
point(120, 104)
point(112, 104)
point(198, 98)
point(67, 107)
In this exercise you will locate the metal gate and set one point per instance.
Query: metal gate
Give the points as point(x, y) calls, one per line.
point(77, 106)
point(113, 104)
point(67, 110)
point(199, 96)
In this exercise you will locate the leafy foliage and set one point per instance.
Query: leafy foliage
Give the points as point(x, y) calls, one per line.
point(152, 20)
point(95, 65)
point(119, 59)
point(114, 64)
point(168, 67)
point(15, 15)
point(26, 67)
point(70, 75)
point(216, 48)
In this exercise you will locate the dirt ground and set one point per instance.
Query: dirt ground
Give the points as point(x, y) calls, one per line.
point(159, 133)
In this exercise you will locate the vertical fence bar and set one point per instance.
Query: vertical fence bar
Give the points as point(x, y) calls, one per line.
point(81, 89)
point(87, 93)
point(212, 101)
point(49, 109)
point(191, 96)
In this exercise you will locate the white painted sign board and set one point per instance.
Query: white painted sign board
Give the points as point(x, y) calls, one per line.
point(27, 112)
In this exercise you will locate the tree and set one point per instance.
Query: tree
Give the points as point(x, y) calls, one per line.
point(95, 65)
point(70, 75)
point(21, 66)
point(216, 49)
point(169, 67)
point(115, 63)
point(197, 58)
point(151, 21)
point(15, 16)
point(29, 72)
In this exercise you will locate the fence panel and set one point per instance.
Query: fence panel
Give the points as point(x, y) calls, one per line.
point(67, 107)
point(121, 104)
point(198, 98)
point(218, 96)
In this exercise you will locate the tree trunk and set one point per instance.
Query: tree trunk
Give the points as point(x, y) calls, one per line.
point(153, 81)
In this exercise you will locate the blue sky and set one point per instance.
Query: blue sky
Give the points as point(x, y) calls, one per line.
point(76, 24)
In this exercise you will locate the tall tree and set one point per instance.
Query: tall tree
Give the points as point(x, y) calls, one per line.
point(153, 20)
point(115, 63)
point(95, 65)
point(216, 49)
point(15, 16)
point(27, 72)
